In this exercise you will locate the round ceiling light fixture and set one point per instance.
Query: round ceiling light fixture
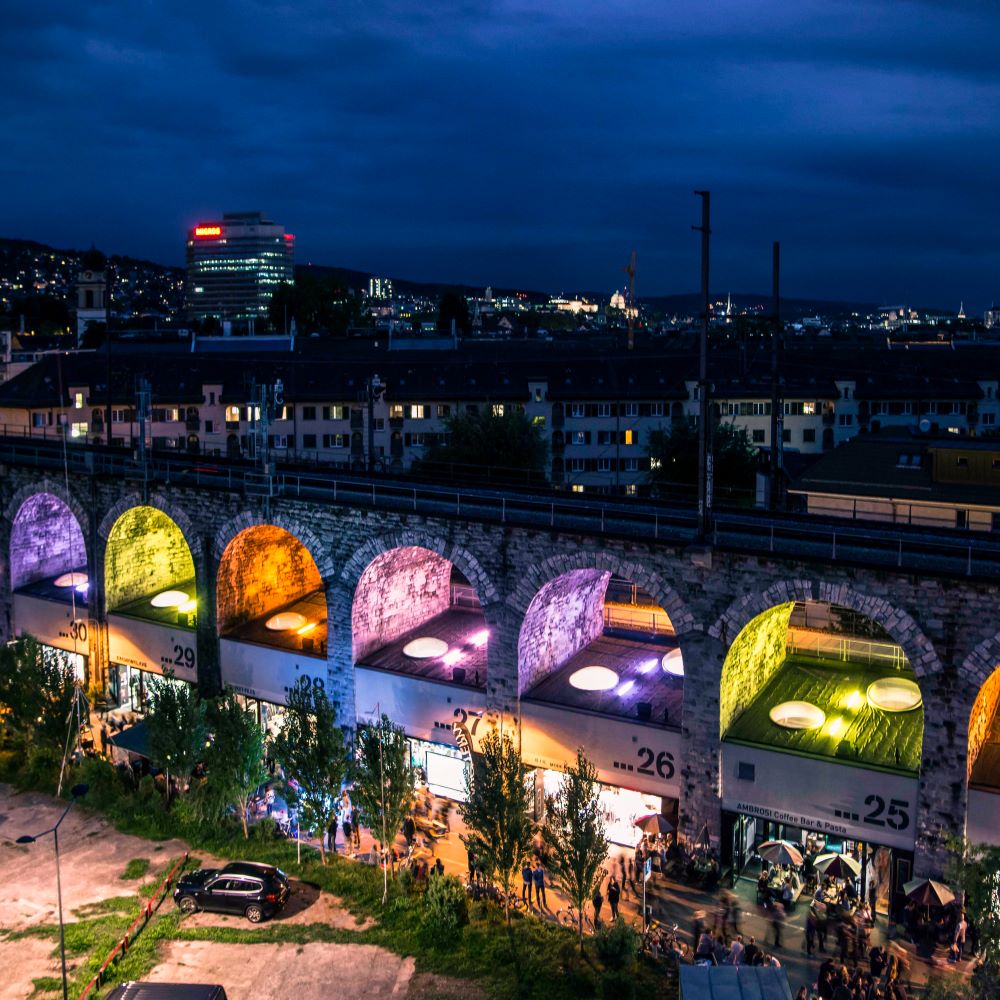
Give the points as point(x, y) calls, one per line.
point(894, 694)
point(593, 679)
point(425, 648)
point(71, 580)
point(797, 715)
point(285, 621)
point(169, 599)
point(673, 663)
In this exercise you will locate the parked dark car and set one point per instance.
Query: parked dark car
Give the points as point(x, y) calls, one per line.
point(256, 890)
point(167, 991)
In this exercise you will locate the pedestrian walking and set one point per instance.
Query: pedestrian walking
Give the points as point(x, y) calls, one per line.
point(736, 951)
point(810, 933)
point(598, 901)
point(538, 877)
point(356, 827)
point(409, 829)
point(332, 836)
point(621, 869)
point(777, 920)
point(104, 741)
point(631, 876)
point(526, 883)
point(614, 894)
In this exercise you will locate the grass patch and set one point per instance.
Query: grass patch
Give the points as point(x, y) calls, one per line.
point(135, 869)
point(45, 984)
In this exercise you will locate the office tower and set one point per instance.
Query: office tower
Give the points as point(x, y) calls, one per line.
point(234, 267)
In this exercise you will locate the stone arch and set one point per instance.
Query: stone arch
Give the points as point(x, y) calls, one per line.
point(286, 562)
point(46, 533)
point(157, 556)
point(585, 575)
point(897, 622)
point(47, 485)
point(980, 672)
point(443, 555)
point(298, 529)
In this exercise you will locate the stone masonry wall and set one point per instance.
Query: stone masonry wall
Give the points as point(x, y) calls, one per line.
point(753, 659)
point(263, 568)
point(399, 590)
point(566, 615)
point(949, 628)
point(45, 540)
point(146, 553)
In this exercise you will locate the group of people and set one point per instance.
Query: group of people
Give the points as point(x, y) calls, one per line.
point(880, 977)
point(348, 818)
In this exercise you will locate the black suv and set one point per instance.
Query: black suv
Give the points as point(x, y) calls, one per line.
point(255, 890)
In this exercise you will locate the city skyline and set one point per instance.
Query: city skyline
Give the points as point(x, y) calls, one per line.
point(495, 145)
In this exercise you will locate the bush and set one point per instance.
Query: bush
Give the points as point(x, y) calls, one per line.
point(406, 880)
point(616, 984)
point(446, 907)
point(617, 945)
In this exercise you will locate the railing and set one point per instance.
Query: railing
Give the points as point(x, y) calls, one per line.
point(912, 550)
point(463, 596)
point(846, 649)
point(135, 928)
point(637, 618)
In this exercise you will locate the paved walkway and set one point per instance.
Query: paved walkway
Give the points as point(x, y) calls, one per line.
point(675, 903)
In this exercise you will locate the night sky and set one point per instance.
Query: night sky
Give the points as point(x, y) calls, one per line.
point(530, 144)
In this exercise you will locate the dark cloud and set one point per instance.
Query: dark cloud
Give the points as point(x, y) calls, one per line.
point(523, 144)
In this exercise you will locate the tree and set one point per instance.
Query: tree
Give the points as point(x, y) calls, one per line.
point(318, 301)
point(500, 437)
point(673, 457)
point(235, 760)
point(36, 693)
point(575, 831)
point(453, 307)
point(311, 750)
point(383, 781)
point(976, 868)
point(176, 726)
point(496, 813)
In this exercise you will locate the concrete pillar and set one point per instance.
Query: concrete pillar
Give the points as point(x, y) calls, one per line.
point(340, 654)
point(501, 659)
point(700, 770)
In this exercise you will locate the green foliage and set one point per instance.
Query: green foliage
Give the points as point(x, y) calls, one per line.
point(36, 694)
point(318, 302)
point(617, 945)
point(616, 984)
point(310, 748)
point(476, 442)
point(176, 727)
point(674, 461)
point(446, 907)
point(496, 812)
point(575, 831)
point(235, 760)
point(136, 868)
point(976, 868)
point(383, 780)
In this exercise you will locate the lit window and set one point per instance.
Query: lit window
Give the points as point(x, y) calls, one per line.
point(78, 400)
point(396, 411)
point(577, 487)
point(628, 437)
point(418, 411)
point(655, 463)
point(78, 430)
point(809, 409)
point(233, 414)
point(498, 409)
point(630, 489)
point(539, 421)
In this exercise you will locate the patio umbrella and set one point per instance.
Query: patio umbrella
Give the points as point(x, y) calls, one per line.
point(780, 852)
point(654, 823)
point(927, 892)
point(838, 865)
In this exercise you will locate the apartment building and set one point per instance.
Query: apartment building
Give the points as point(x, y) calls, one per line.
point(367, 405)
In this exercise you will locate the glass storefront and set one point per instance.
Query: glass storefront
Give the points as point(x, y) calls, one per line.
point(270, 717)
point(442, 766)
point(884, 870)
point(621, 808)
point(129, 686)
point(61, 657)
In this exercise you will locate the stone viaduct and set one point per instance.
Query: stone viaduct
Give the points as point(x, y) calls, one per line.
point(948, 628)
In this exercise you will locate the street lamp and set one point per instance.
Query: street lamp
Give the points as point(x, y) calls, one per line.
point(77, 791)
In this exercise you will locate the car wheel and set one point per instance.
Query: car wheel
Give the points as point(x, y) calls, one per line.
point(187, 904)
point(254, 914)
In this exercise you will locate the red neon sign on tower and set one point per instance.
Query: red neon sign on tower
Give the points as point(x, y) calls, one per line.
point(205, 231)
